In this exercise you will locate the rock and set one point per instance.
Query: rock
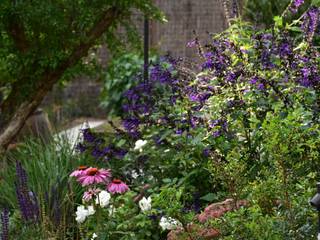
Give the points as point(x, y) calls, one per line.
point(215, 210)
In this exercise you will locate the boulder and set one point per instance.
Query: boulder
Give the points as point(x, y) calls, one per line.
point(215, 210)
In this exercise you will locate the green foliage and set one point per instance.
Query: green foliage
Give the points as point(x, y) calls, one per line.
point(254, 223)
point(38, 36)
point(262, 12)
point(122, 73)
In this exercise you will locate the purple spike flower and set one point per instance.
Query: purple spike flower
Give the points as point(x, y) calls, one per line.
point(88, 136)
point(310, 22)
point(5, 224)
point(295, 5)
point(27, 200)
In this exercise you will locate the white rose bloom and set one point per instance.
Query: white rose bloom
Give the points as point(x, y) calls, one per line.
point(81, 214)
point(139, 144)
point(168, 223)
point(91, 210)
point(103, 198)
point(145, 204)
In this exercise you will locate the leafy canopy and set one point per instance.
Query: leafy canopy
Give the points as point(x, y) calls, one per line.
point(38, 35)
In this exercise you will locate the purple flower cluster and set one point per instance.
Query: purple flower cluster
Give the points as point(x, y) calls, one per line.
point(266, 49)
point(285, 49)
point(295, 5)
point(309, 76)
point(310, 22)
point(27, 200)
point(162, 91)
point(95, 146)
point(218, 127)
point(5, 224)
point(131, 125)
point(217, 59)
point(157, 102)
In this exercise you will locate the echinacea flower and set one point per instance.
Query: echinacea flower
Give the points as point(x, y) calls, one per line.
point(145, 204)
point(103, 199)
point(94, 176)
point(117, 186)
point(92, 192)
point(79, 171)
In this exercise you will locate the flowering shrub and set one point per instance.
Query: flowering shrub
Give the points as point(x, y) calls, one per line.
point(249, 116)
point(242, 124)
point(121, 74)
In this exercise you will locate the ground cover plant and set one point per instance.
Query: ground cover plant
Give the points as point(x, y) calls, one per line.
point(244, 124)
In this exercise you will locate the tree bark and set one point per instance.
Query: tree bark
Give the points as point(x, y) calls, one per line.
point(15, 110)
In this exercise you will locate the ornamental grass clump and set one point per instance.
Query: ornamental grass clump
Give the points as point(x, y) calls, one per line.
point(36, 190)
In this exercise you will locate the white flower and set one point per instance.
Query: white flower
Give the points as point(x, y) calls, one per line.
point(81, 214)
point(167, 150)
point(134, 174)
point(103, 198)
point(91, 210)
point(94, 236)
point(145, 204)
point(139, 144)
point(168, 223)
point(111, 210)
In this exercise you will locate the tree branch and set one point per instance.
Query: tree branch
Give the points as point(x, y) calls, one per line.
point(19, 112)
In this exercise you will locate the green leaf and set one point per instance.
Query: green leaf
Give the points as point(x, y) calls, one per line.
point(166, 180)
point(121, 142)
point(316, 3)
point(278, 21)
point(210, 197)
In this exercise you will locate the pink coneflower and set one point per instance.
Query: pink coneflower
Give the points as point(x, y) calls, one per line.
point(94, 176)
point(79, 171)
point(117, 186)
point(92, 192)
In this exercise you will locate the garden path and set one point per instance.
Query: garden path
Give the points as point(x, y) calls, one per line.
point(71, 135)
